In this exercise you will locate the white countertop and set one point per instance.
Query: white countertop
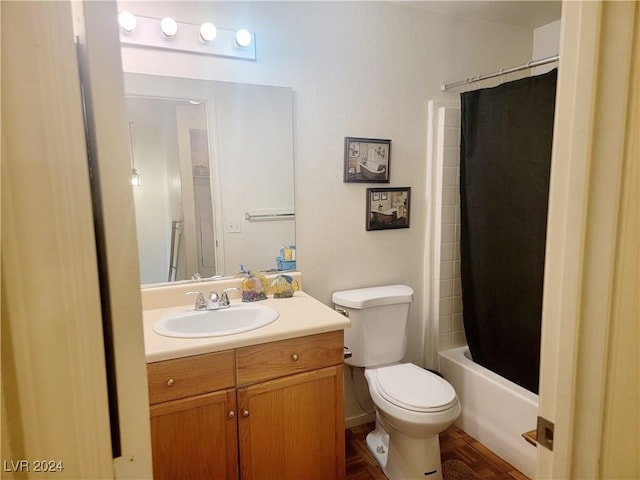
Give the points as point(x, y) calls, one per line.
point(300, 315)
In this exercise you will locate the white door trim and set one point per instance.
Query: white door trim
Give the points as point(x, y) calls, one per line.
point(587, 164)
point(103, 85)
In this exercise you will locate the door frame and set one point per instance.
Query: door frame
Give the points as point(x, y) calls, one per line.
point(589, 237)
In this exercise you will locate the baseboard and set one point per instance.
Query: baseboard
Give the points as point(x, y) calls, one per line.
point(359, 420)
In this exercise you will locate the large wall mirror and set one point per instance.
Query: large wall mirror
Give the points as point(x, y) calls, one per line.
point(215, 161)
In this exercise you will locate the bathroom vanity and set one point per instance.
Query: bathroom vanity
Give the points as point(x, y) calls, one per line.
point(261, 404)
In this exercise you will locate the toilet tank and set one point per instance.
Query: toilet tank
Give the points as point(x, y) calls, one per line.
point(378, 315)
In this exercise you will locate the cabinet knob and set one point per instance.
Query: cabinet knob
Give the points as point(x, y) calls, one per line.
point(171, 382)
point(232, 414)
point(245, 413)
point(294, 357)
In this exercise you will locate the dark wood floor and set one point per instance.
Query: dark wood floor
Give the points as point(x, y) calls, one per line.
point(454, 445)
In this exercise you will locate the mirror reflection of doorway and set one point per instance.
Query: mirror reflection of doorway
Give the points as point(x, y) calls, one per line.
point(197, 249)
point(203, 204)
point(175, 203)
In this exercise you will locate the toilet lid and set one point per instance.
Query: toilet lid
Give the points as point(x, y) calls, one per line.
point(413, 388)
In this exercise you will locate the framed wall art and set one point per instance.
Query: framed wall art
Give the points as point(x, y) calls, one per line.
point(366, 160)
point(388, 208)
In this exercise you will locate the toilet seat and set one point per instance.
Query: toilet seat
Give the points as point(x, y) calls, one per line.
point(410, 387)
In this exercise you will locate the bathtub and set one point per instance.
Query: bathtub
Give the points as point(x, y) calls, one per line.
point(372, 170)
point(495, 411)
point(386, 217)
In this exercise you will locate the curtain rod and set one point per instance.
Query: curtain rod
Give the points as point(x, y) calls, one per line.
point(531, 64)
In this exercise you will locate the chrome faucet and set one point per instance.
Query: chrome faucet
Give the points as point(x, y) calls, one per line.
point(214, 301)
point(196, 277)
point(217, 302)
point(201, 302)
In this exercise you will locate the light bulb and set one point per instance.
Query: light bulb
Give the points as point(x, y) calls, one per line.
point(243, 38)
point(208, 32)
point(168, 26)
point(127, 21)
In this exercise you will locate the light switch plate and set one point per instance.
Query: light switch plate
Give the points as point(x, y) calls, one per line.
point(234, 227)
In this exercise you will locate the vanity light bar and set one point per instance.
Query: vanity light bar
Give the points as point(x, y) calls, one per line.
point(188, 37)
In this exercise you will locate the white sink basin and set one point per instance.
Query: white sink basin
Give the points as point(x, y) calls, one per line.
point(215, 323)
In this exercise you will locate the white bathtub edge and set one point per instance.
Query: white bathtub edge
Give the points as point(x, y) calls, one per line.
point(495, 411)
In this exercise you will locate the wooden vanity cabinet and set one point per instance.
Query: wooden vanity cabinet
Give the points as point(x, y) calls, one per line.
point(283, 418)
point(193, 421)
point(195, 437)
point(291, 408)
point(293, 427)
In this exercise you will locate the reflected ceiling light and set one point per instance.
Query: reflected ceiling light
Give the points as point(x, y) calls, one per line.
point(135, 178)
point(208, 32)
point(168, 26)
point(127, 21)
point(243, 38)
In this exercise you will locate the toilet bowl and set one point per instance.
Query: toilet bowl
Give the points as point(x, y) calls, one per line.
point(413, 405)
point(413, 399)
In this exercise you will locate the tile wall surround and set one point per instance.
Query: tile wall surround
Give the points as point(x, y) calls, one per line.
point(450, 324)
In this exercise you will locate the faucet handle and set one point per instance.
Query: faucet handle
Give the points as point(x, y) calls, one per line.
point(201, 302)
point(224, 299)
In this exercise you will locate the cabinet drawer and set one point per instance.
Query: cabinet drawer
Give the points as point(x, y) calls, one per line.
point(276, 359)
point(184, 377)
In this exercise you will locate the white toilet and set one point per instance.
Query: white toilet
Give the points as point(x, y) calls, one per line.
point(413, 405)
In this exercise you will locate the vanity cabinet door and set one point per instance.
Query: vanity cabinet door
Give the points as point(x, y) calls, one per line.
point(196, 437)
point(293, 427)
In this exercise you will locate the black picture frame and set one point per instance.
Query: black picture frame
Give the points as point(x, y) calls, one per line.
point(367, 160)
point(390, 213)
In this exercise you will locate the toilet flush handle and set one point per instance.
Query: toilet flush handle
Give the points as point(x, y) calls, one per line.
point(342, 311)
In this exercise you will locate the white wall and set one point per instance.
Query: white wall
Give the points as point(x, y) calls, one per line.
point(254, 152)
point(546, 43)
point(361, 69)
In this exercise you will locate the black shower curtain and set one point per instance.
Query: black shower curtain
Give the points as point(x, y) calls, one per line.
point(505, 159)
